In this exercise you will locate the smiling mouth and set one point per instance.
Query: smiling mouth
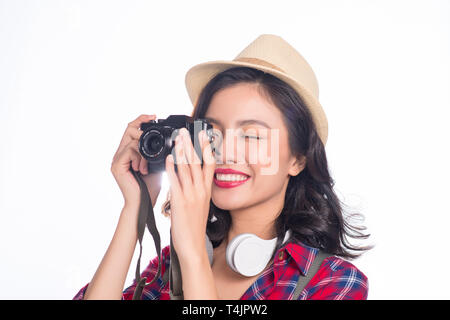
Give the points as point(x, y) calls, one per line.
point(230, 177)
point(229, 180)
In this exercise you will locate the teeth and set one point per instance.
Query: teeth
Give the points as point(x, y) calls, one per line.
point(230, 177)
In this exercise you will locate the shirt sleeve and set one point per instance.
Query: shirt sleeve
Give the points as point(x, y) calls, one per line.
point(150, 292)
point(80, 294)
point(337, 279)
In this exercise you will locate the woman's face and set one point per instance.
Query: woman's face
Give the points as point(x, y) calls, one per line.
point(254, 141)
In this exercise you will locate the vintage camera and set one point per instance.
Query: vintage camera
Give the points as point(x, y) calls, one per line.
point(158, 138)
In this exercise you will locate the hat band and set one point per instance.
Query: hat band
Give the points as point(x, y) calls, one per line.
point(259, 62)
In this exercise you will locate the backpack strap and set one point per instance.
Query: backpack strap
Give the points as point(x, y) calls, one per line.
point(303, 280)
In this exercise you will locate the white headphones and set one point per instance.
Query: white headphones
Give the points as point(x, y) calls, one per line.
point(248, 254)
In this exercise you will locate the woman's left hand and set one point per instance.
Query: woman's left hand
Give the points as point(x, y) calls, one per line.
point(190, 194)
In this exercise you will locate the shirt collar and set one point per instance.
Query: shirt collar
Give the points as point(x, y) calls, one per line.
point(301, 254)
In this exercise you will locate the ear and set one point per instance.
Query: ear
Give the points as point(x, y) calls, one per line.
point(297, 165)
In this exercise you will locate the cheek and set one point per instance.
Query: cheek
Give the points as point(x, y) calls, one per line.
point(269, 160)
point(259, 152)
point(258, 189)
point(269, 178)
point(267, 155)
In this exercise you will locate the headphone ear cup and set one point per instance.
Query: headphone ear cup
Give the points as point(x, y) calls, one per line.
point(231, 248)
point(253, 254)
point(248, 254)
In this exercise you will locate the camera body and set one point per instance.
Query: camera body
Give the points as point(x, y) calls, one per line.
point(158, 138)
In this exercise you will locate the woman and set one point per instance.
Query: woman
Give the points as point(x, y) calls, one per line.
point(266, 96)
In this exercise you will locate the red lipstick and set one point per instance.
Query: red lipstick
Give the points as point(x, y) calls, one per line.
point(229, 184)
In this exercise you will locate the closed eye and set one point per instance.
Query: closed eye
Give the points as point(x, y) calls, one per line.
point(253, 137)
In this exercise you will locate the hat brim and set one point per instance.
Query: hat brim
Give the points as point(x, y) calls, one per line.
point(199, 75)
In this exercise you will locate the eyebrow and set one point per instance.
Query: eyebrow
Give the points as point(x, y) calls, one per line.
point(241, 123)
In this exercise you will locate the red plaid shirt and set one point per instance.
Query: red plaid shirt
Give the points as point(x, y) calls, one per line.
point(336, 278)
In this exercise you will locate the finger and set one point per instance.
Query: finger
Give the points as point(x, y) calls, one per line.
point(182, 165)
point(141, 161)
point(133, 130)
point(134, 161)
point(132, 150)
point(134, 155)
point(193, 160)
point(142, 118)
point(175, 187)
point(209, 161)
point(143, 165)
point(124, 158)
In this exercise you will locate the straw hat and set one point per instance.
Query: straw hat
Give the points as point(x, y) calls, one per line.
point(271, 54)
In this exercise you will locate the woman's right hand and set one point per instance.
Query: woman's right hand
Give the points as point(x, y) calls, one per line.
point(128, 152)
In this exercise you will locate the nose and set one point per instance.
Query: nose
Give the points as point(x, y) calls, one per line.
point(229, 148)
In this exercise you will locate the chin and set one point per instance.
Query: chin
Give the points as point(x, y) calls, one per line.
point(230, 201)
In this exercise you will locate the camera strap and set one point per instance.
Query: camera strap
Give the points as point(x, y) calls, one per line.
point(146, 217)
point(175, 280)
point(173, 275)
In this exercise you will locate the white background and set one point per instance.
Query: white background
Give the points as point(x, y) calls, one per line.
point(73, 74)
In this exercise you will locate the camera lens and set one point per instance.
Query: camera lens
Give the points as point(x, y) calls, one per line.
point(154, 143)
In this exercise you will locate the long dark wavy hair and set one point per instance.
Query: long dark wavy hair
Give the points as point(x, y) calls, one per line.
point(312, 210)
